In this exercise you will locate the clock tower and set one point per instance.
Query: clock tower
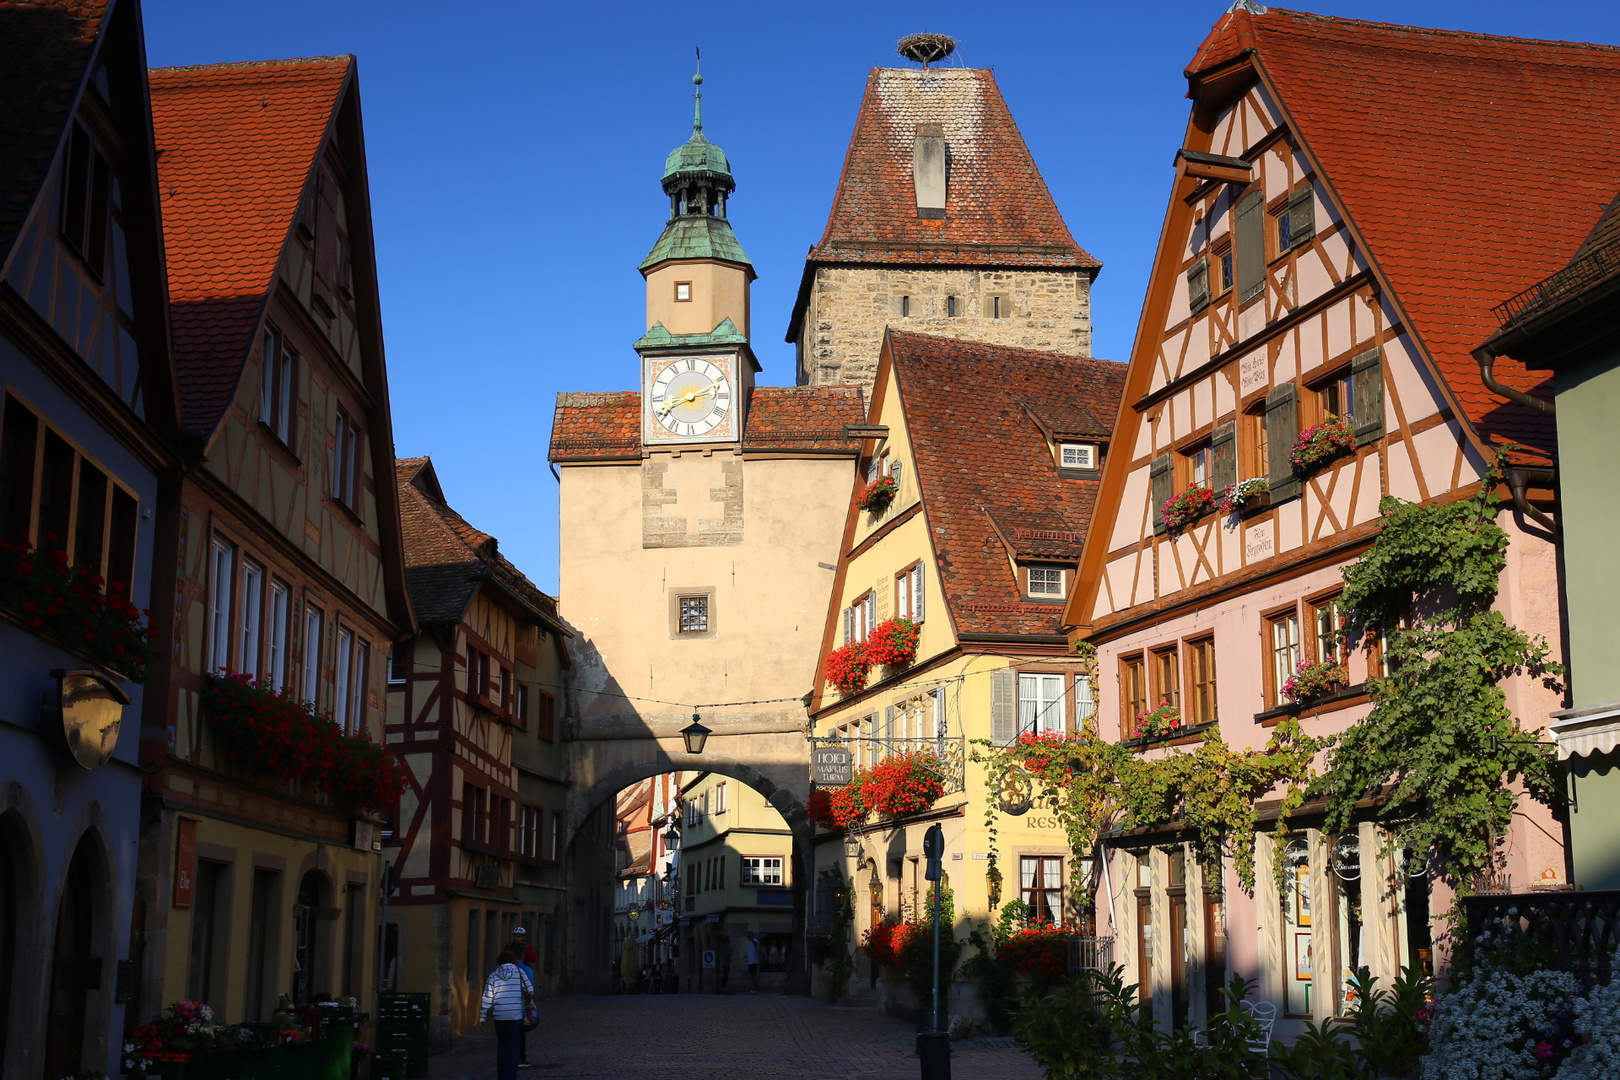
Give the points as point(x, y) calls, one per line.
point(697, 370)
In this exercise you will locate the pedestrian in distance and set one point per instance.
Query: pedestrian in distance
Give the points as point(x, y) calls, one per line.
point(524, 956)
point(753, 963)
point(507, 993)
point(725, 962)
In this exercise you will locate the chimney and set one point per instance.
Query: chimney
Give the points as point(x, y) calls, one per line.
point(928, 170)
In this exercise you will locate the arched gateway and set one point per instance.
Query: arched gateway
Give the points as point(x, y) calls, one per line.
point(700, 519)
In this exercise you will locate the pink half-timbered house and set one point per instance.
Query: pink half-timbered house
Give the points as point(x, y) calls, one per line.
point(1348, 206)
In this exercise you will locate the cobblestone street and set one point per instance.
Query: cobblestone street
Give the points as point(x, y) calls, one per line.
point(699, 1037)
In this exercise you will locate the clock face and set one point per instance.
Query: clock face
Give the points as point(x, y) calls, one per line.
point(690, 398)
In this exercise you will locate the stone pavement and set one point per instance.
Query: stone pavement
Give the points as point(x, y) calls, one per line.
point(738, 1037)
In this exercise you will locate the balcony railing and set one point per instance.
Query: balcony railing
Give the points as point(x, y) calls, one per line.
point(952, 753)
point(1572, 931)
point(1090, 953)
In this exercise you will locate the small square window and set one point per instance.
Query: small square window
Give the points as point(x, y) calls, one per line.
point(1045, 581)
point(1079, 455)
point(683, 291)
point(694, 614)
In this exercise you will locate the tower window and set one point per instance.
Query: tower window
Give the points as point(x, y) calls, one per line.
point(998, 307)
point(951, 307)
point(694, 614)
point(683, 291)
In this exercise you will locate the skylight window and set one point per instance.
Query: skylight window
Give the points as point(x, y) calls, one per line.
point(1078, 455)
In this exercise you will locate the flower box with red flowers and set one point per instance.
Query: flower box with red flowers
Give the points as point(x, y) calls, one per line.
point(274, 734)
point(87, 615)
point(1036, 751)
point(847, 805)
point(879, 944)
point(1318, 445)
point(1313, 680)
point(818, 806)
point(1186, 507)
point(907, 783)
point(1157, 723)
point(847, 667)
point(876, 496)
point(1041, 950)
point(893, 643)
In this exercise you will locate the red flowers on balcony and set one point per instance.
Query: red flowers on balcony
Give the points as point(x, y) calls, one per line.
point(280, 737)
point(904, 783)
point(892, 644)
point(876, 496)
point(1184, 508)
point(71, 605)
point(847, 666)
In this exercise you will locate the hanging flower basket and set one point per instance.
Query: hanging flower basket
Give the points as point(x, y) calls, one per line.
point(1186, 507)
point(819, 808)
point(904, 783)
point(1319, 445)
point(1243, 495)
point(876, 496)
point(47, 594)
point(848, 805)
point(1313, 680)
point(1161, 721)
point(847, 666)
point(893, 643)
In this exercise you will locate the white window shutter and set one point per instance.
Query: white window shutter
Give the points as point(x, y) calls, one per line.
point(1003, 706)
point(888, 724)
point(871, 615)
point(939, 713)
point(917, 592)
point(849, 625)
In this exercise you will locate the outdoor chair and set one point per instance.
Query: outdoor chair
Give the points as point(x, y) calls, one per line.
point(1264, 1013)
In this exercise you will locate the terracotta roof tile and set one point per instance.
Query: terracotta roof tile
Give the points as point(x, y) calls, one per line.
point(447, 558)
point(1473, 166)
point(596, 427)
point(990, 484)
point(998, 209)
point(236, 145)
point(44, 46)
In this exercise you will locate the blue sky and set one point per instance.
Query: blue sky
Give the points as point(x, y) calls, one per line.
point(515, 150)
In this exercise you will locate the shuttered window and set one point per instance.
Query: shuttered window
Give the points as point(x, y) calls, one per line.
point(1297, 222)
point(1367, 384)
point(1198, 286)
point(1250, 241)
point(1160, 481)
point(1040, 704)
point(1223, 455)
point(1003, 706)
point(1282, 429)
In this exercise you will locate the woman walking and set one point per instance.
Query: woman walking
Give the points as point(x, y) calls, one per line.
point(506, 1002)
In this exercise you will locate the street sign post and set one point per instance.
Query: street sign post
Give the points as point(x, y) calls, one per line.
point(934, 1047)
point(831, 766)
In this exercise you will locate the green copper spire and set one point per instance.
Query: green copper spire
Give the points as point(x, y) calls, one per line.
point(697, 178)
point(697, 109)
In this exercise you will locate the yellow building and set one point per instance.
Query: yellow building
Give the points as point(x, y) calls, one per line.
point(995, 454)
point(735, 878)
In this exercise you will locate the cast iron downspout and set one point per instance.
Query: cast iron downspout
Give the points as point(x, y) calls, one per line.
point(1518, 478)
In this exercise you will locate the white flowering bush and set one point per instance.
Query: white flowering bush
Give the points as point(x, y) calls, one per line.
point(1491, 1027)
point(1597, 1022)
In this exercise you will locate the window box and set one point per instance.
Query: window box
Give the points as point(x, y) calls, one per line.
point(1338, 698)
point(45, 595)
point(893, 643)
point(1245, 496)
point(1312, 681)
point(1182, 733)
point(847, 667)
point(1321, 444)
point(1186, 507)
point(876, 496)
point(1159, 723)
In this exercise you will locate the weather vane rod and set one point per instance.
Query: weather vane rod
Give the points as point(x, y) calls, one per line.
point(697, 81)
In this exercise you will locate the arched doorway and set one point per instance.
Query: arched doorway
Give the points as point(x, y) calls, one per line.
point(311, 913)
point(11, 901)
point(75, 972)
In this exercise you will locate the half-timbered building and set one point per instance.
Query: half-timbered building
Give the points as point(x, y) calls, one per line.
point(996, 455)
point(473, 708)
point(284, 563)
point(88, 432)
point(1348, 205)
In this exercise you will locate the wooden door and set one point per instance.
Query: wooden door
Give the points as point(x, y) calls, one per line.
point(70, 970)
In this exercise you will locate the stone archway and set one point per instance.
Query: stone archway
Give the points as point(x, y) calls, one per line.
point(775, 764)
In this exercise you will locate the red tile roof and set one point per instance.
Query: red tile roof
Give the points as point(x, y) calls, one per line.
point(236, 145)
point(998, 210)
point(44, 46)
point(1472, 166)
point(598, 427)
point(447, 558)
point(990, 485)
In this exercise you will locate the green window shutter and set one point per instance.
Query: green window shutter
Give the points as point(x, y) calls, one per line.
point(1367, 393)
point(1302, 216)
point(1282, 431)
point(1003, 706)
point(1198, 286)
point(1223, 455)
point(888, 724)
point(1159, 481)
point(1250, 243)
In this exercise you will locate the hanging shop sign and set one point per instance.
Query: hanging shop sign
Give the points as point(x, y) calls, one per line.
point(92, 712)
point(831, 766)
point(1017, 792)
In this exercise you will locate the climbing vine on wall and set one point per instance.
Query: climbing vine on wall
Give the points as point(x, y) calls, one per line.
point(1440, 736)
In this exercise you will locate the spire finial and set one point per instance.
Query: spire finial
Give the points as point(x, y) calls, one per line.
point(697, 95)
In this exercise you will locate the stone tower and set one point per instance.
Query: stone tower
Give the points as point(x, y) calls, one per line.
point(941, 225)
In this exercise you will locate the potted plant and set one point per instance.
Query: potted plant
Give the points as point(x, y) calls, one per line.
point(87, 614)
point(1157, 722)
point(1312, 680)
point(876, 496)
point(1245, 495)
point(847, 666)
point(819, 808)
point(1186, 507)
point(1318, 445)
point(893, 643)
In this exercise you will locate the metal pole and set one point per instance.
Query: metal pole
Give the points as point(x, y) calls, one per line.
point(937, 1025)
point(382, 934)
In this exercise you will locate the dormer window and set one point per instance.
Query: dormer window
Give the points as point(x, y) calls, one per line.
point(683, 291)
point(1077, 455)
point(1045, 582)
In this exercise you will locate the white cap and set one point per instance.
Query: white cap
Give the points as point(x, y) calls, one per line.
point(519, 930)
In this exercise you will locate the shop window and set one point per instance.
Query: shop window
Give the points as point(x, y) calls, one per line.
point(1298, 932)
point(1345, 879)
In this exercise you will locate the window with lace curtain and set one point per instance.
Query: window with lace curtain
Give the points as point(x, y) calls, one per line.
point(1040, 886)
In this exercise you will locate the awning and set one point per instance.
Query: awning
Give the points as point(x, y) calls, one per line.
point(1594, 729)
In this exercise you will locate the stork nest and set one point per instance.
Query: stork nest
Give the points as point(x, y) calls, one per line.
point(926, 48)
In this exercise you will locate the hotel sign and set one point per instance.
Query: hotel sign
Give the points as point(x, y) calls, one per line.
point(831, 766)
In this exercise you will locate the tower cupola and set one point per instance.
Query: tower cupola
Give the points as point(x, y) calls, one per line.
point(697, 176)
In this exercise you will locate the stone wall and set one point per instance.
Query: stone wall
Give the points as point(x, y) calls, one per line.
point(850, 306)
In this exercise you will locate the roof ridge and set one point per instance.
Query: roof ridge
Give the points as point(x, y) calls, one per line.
point(1438, 31)
point(240, 65)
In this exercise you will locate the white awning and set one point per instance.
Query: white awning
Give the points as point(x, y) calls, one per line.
point(1591, 730)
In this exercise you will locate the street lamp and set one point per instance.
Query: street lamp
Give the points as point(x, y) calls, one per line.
point(695, 735)
point(852, 845)
point(672, 839)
